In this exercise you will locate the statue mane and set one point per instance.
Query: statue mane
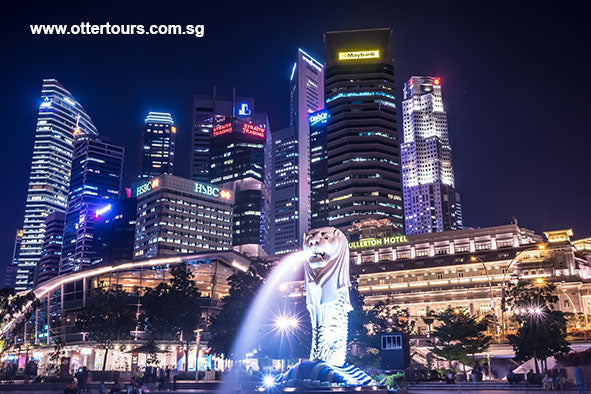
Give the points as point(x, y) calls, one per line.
point(337, 268)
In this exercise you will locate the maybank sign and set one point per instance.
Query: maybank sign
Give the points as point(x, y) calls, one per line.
point(371, 54)
point(377, 242)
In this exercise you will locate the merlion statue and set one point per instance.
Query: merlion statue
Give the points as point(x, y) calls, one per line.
point(327, 284)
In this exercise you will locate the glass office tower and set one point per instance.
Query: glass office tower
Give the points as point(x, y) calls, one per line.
point(157, 143)
point(95, 182)
point(291, 157)
point(364, 179)
point(59, 115)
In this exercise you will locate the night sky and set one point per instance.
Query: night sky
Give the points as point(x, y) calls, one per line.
point(515, 80)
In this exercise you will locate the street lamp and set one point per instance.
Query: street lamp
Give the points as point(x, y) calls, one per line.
point(532, 312)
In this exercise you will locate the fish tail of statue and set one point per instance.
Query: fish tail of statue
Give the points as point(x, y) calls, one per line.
point(331, 341)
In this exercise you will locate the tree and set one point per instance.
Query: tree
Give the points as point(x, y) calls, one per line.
point(106, 318)
point(244, 286)
point(12, 305)
point(358, 318)
point(458, 335)
point(172, 310)
point(362, 343)
point(387, 316)
point(542, 328)
point(53, 365)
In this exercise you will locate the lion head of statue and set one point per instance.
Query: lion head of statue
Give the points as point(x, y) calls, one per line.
point(327, 257)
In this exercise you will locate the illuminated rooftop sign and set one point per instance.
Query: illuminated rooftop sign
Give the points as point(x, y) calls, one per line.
point(210, 190)
point(377, 242)
point(222, 129)
point(247, 128)
point(146, 187)
point(318, 117)
point(370, 54)
point(244, 109)
point(102, 210)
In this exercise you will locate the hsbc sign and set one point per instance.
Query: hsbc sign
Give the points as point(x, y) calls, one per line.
point(210, 190)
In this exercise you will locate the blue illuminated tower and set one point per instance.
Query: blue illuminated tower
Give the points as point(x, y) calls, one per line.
point(157, 143)
point(95, 182)
point(59, 114)
point(291, 156)
point(318, 169)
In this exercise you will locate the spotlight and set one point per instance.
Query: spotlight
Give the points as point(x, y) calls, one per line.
point(286, 323)
point(269, 381)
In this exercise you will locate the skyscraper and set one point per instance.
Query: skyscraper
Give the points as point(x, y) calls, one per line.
point(114, 231)
point(362, 140)
point(291, 156)
point(431, 202)
point(59, 115)
point(95, 182)
point(157, 143)
point(49, 264)
point(12, 267)
point(318, 169)
point(208, 112)
point(239, 153)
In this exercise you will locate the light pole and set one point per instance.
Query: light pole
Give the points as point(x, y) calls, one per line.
point(197, 344)
point(531, 313)
point(492, 300)
point(504, 284)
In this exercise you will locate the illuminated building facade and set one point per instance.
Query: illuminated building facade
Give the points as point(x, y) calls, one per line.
point(208, 112)
point(62, 297)
point(11, 268)
point(97, 168)
point(291, 156)
point(114, 231)
point(431, 202)
point(239, 153)
point(157, 143)
point(362, 138)
point(59, 115)
point(49, 264)
point(462, 268)
point(179, 216)
point(318, 169)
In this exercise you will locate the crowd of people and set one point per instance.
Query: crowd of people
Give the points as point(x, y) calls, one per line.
point(166, 379)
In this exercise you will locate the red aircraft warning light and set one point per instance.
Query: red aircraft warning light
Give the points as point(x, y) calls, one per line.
point(436, 81)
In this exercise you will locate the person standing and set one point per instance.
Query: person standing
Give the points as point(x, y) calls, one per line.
point(161, 379)
point(175, 376)
point(579, 379)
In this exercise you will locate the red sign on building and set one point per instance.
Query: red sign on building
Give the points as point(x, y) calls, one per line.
point(222, 129)
point(253, 130)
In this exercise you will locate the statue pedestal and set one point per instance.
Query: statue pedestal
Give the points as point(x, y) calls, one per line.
point(321, 374)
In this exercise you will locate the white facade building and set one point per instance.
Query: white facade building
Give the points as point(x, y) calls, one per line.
point(431, 203)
